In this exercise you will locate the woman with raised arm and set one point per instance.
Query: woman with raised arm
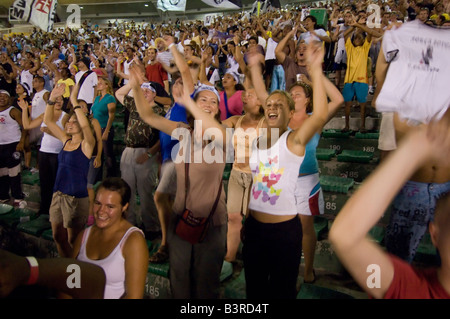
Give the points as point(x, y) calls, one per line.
point(70, 202)
point(272, 237)
point(49, 150)
point(380, 273)
point(194, 267)
point(309, 197)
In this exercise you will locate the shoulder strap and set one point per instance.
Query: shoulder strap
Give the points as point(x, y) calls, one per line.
point(216, 202)
point(226, 103)
point(66, 142)
point(128, 233)
point(238, 123)
point(186, 179)
point(84, 76)
point(210, 72)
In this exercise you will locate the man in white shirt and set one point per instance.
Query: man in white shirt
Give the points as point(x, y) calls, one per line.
point(88, 88)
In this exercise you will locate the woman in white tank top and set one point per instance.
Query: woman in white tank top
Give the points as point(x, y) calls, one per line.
point(114, 244)
point(272, 237)
point(49, 150)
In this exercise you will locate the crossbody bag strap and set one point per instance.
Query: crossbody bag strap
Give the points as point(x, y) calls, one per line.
point(186, 184)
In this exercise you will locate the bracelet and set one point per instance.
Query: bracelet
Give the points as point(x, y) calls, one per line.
point(51, 102)
point(76, 107)
point(34, 270)
point(149, 155)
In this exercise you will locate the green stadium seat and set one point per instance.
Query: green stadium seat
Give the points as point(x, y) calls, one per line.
point(30, 178)
point(157, 269)
point(426, 252)
point(325, 154)
point(47, 234)
point(309, 291)
point(36, 226)
point(336, 184)
point(5, 209)
point(18, 215)
point(320, 226)
point(227, 270)
point(355, 156)
point(227, 171)
point(370, 135)
point(377, 234)
point(336, 133)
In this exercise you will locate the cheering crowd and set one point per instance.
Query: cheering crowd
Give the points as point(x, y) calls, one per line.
point(275, 80)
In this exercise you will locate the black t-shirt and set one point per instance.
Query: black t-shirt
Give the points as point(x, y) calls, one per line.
point(4, 85)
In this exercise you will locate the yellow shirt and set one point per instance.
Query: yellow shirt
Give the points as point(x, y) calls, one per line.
point(357, 62)
point(68, 82)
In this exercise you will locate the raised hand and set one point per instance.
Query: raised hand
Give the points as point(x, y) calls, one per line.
point(134, 76)
point(23, 104)
point(57, 91)
point(315, 54)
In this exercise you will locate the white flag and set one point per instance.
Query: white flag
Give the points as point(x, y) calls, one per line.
point(224, 4)
point(40, 13)
point(171, 5)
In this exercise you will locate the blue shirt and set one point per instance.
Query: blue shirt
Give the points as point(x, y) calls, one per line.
point(176, 113)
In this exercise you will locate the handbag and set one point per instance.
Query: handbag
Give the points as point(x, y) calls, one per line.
point(190, 228)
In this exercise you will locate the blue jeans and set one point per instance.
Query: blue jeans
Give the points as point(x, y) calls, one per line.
point(278, 79)
point(412, 210)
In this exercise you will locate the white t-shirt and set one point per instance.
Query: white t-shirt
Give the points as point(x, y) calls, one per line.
point(87, 90)
point(417, 81)
point(307, 35)
point(270, 50)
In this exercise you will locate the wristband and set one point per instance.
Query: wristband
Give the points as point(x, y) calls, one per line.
point(34, 270)
point(77, 107)
point(51, 102)
point(171, 45)
point(149, 155)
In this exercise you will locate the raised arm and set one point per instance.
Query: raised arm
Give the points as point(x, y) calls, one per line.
point(365, 208)
point(279, 53)
point(181, 63)
point(55, 130)
point(26, 121)
point(254, 65)
point(317, 120)
point(144, 109)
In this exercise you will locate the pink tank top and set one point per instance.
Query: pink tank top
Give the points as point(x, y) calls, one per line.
point(113, 265)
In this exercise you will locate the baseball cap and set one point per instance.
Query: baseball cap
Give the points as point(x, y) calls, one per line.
point(86, 61)
point(204, 87)
point(5, 92)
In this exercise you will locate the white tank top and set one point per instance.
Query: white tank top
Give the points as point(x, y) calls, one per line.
point(113, 265)
point(275, 172)
point(49, 143)
point(9, 128)
point(38, 104)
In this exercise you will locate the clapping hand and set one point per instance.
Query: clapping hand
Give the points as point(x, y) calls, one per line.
point(57, 91)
